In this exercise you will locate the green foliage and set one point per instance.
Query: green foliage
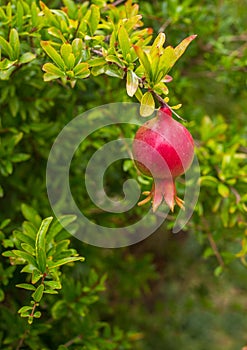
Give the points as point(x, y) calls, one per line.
point(77, 38)
point(58, 60)
point(42, 248)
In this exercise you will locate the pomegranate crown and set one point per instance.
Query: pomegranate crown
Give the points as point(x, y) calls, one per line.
point(165, 110)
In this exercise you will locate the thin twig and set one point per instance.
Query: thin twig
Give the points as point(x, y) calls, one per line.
point(163, 103)
point(117, 2)
point(72, 341)
point(19, 345)
point(215, 249)
point(97, 52)
point(236, 194)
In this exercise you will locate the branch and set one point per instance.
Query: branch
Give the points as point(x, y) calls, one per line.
point(117, 2)
point(163, 103)
point(215, 249)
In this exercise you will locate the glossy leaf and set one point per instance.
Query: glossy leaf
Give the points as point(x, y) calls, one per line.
point(94, 19)
point(53, 284)
point(147, 104)
point(26, 286)
point(53, 54)
point(124, 41)
point(179, 50)
point(25, 256)
point(81, 70)
point(6, 48)
point(144, 59)
point(51, 69)
point(223, 190)
point(15, 43)
point(27, 57)
point(54, 264)
point(31, 214)
point(40, 246)
point(132, 83)
point(57, 226)
point(158, 42)
point(37, 295)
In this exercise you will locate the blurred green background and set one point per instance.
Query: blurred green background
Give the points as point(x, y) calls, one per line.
point(173, 291)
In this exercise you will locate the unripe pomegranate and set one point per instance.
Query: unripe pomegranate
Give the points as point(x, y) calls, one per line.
point(163, 149)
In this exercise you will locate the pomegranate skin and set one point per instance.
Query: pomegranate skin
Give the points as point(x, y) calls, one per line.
point(163, 149)
point(170, 139)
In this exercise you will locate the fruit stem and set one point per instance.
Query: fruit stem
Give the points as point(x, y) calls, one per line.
point(164, 104)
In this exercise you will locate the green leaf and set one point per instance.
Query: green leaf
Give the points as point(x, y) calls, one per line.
point(31, 215)
point(59, 309)
point(27, 57)
point(5, 75)
point(58, 226)
point(72, 7)
point(26, 286)
point(166, 62)
point(5, 64)
point(56, 33)
point(139, 94)
point(144, 59)
point(24, 309)
point(77, 46)
point(53, 70)
point(81, 70)
point(223, 190)
point(9, 254)
point(34, 14)
point(155, 66)
point(114, 71)
point(37, 295)
point(50, 291)
point(49, 77)
point(15, 43)
point(96, 70)
point(179, 50)
point(158, 42)
point(65, 51)
point(54, 264)
point(25, 256)
point(53, 54)
point(94, 19)
point(2, 296)
point(124, 41)
point(132, 83)
point(28, 248)
point(37, 314)
point(19, 157)
point(19, 15)
point(147, 104)
point(40, 246)
point(115, 59)
point(6, 48)
point(70, 61)
point(47, 12)
point(94, 62)
point(24, 238)
point(36, 275)
point(218, 271)
point(29, 229)
point(53, 284)
point(29, 269)
point(4, 223)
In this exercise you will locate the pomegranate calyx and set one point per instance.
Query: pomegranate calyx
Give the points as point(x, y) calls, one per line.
point(162, 189)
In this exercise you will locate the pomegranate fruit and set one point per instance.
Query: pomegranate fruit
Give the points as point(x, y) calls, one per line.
point(163, 149)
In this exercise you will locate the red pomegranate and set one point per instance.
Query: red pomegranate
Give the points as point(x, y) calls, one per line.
point(163, 149)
